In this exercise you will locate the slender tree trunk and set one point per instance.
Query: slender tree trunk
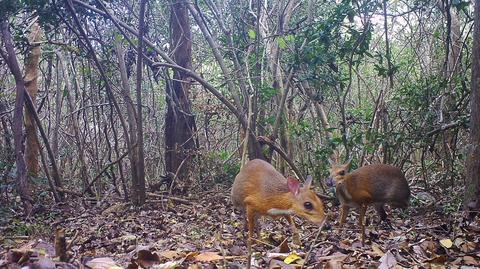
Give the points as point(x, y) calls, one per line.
point(8, 154)
point(31, 78)
point(131, 114)
point(23, 186)
point(179, 121)
point(472, 189)
point(139, 193)
point(58, 110)
point(76, 129)
point(451, 70)
point(383, 112)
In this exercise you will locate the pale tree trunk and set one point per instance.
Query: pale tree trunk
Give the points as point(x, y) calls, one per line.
point(452, 69)
point(23, 186)
point(472, 188)
point(179, 121)
point(58, 111)
point(63, 66)
point(131, 114)
point(31, 83)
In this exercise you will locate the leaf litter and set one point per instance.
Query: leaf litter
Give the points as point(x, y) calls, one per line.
point(205, 232)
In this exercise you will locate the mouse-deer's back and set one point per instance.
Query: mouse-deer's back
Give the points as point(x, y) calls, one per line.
point(376, 183)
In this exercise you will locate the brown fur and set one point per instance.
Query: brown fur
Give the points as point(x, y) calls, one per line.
point(376, 184)
point(259, 188)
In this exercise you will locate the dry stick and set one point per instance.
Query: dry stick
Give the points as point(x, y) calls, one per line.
point(266, 140)
point(312, 245)
point(447, 126)
point(249, 255)
point(179, 168)
point(49, 178)
point(168, 197)
point(235, 151)
point(247, 132)
point(106, 168)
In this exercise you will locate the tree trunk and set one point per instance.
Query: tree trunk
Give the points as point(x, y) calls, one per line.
point(179, 121)
point(58, 111)
point(131, 114)
point(31, 78)
point(23, 186)
point(63, 66)
point(472, 189)
point(139, 193)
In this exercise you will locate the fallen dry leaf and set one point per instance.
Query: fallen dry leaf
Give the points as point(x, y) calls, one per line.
point(167, 265)
point(275, 264)
point(468, 247)
point(439, 259)
point(208, 257)
point(292, 257)
point(333, 265)
point(335, 257)
point(170, 254)
point(458, 241)
point(419, 251)
point(387, 261)
point(102, 263)
point(284, 248)
point(376, 251)
point(469, 260)
point(446, 243)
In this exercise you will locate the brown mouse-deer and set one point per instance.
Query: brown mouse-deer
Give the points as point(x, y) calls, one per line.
point(376, 184)
point(261, 190)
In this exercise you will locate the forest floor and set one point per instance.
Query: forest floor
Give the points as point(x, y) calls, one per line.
point(205, 232)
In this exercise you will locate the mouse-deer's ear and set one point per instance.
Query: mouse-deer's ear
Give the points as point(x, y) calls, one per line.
point(348, 164)
point(308, 182)
point(293, 185)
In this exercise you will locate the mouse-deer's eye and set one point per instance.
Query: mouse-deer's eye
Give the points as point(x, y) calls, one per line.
point(308, 206)
point(342, 173)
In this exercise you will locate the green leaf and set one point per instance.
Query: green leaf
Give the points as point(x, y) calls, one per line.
point(118, 38)
point(336, 140)
point(281, 43)
point(290, 38)
point(460, 4)
point(65, 92)
point(252, 34)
